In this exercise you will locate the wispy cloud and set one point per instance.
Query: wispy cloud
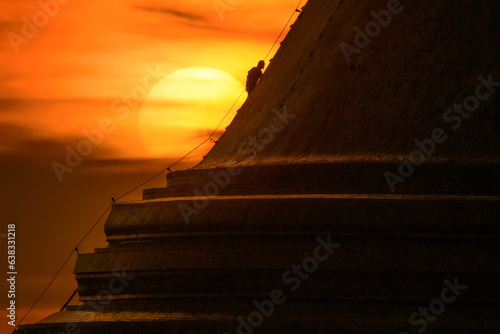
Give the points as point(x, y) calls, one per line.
point(172, 12)
point(12, 135)
point(139, 165)
point(203, 134)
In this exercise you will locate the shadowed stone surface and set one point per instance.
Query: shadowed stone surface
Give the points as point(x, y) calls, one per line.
point(394, 91)
point(278, 198)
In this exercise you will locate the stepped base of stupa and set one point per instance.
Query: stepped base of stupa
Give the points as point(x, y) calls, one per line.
point(328, 219)
point(297, 249)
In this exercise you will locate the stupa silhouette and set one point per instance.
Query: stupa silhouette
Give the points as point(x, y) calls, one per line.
point(356, 191)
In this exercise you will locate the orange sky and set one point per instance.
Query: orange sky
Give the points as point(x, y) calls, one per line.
point(73, 73)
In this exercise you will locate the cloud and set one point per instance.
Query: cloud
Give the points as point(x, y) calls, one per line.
point(146, 166)
point(21, 145)
point(172, 12)
point(203, 134)
point(7, 27)
point(237, 32)
point(21, 142)
point(12, 135)
point(11, 130)
point(194, 20)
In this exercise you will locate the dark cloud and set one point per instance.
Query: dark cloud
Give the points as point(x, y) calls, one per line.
point(172, 12)
point(203, 134)
point(7, 27)
point(17, 140)
point(18, 106)
point(204, 25)
point(204, 30)
point(217, 28)
point(20, 142)
point(11, 130)
point(9, 105)
point(139, 165)
point(10, 26)
point(32, 106)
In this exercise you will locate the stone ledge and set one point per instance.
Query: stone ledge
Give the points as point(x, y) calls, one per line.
point(336, 178)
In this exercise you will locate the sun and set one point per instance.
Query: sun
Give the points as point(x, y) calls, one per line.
point(184, 108)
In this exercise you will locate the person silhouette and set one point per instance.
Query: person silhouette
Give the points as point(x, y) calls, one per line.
point(254, 75)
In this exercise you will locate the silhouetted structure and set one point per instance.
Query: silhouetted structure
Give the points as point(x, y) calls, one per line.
point(254, 76)
point(338, 109)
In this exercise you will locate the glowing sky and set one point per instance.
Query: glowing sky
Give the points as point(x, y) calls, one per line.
point(101, 50)
point(79, 70)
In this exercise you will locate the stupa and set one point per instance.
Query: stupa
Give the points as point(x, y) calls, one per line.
point(355, 191)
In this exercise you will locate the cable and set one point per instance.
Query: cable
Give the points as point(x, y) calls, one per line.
point(217, 127)
point(61, 268)
point(227, 113)
point(215, 130)
point(66, 304)
point(41, 295)
point(97, 222)
point(282, 31)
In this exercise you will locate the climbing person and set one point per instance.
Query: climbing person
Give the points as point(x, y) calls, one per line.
point(254, 75)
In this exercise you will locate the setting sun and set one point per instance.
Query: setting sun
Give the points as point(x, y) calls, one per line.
point(185, 106)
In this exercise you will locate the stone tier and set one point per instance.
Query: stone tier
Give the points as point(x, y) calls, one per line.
point(392, 255)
